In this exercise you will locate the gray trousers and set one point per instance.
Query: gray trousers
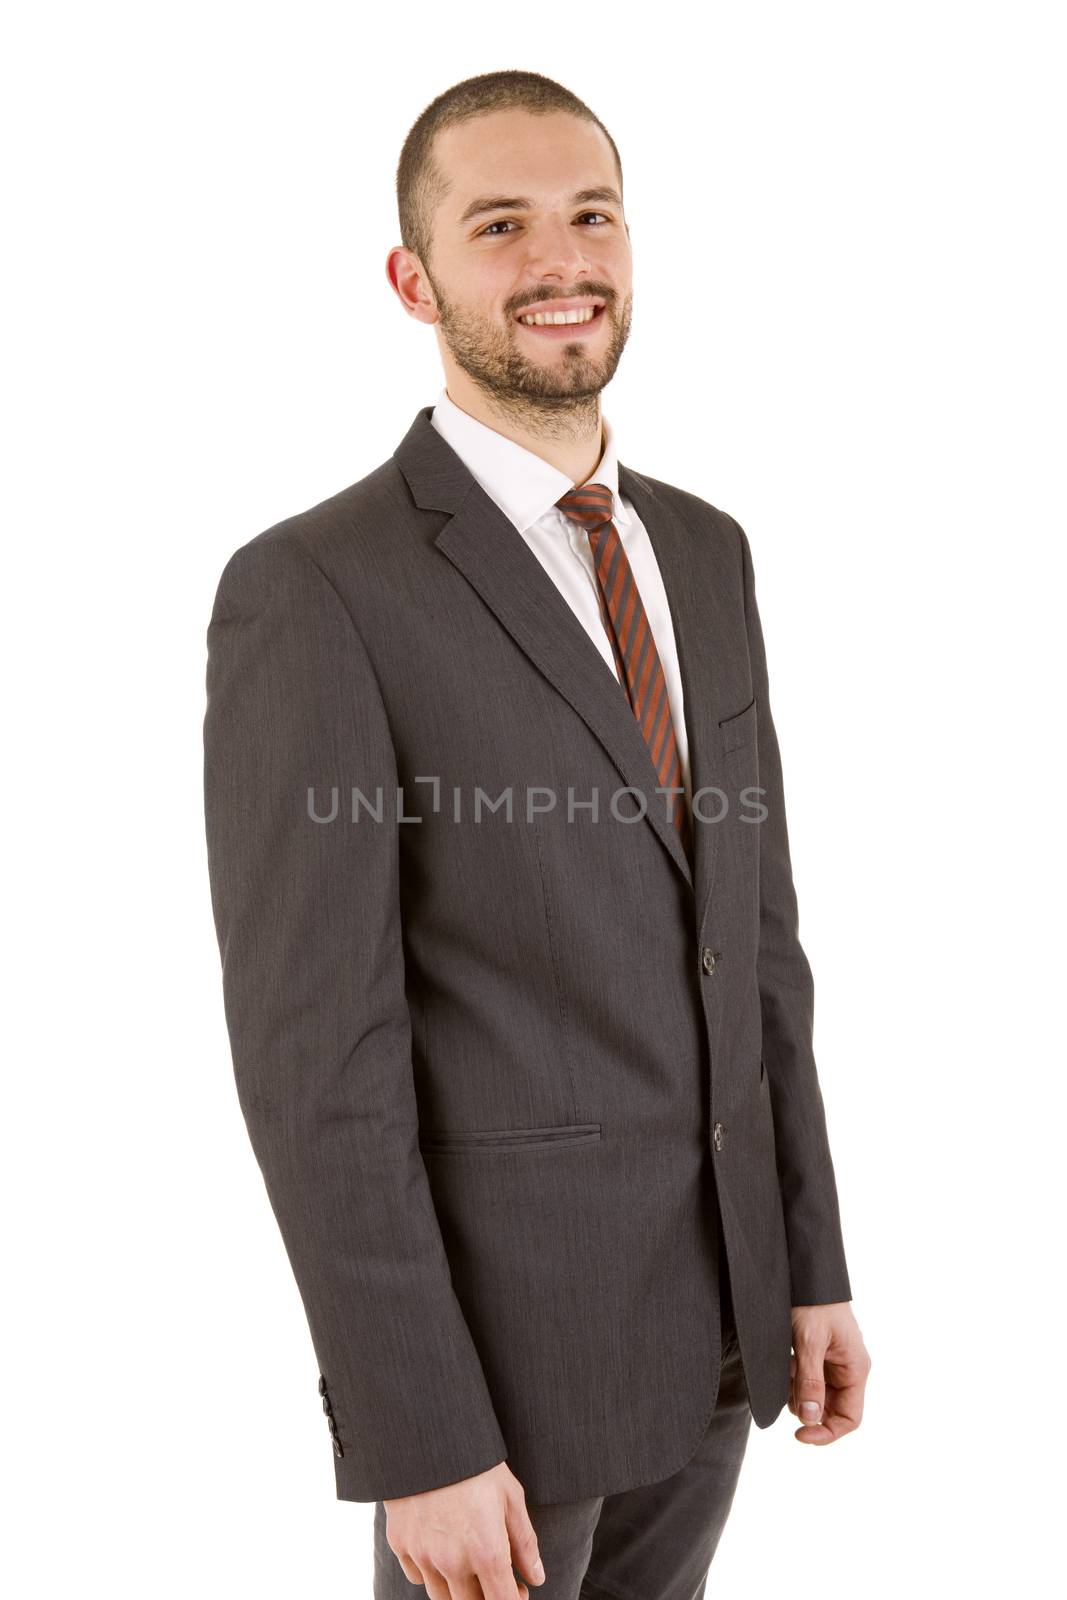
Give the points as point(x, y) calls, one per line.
point(655, 1542)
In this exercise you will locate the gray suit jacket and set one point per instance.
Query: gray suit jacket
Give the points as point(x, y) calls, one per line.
point(503, 1076)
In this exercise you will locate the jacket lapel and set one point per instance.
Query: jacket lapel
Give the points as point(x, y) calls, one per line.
point(484, 545)
point(697, 610)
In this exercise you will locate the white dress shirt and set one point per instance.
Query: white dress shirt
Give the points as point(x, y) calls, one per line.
point(526, 489)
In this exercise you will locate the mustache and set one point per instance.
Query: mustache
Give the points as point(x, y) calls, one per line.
point(588, 291)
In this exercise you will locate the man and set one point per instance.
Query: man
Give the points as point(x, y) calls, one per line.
point(520, 1022)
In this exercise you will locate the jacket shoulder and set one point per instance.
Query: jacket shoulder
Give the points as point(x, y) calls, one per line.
point(318, 535)
point(706, 520)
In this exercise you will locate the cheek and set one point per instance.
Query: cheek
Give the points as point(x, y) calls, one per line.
point(615, 266)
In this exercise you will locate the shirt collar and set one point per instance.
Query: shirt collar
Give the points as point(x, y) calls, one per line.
point(521, 483)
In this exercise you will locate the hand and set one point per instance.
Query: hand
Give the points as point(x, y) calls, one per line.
point(828, 1372)
point(464, 1534)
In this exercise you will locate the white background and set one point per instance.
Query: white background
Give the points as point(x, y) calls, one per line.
point(849, 333)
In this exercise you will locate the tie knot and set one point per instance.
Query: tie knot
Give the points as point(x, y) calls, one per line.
point(591, 505)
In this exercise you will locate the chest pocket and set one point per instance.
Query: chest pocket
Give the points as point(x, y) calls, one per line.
point(740, 729)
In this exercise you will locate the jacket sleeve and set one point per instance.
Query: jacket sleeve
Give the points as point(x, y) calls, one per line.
point(308, 921)
point(817, 1265)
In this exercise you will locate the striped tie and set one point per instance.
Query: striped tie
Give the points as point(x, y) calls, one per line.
point(636, 657)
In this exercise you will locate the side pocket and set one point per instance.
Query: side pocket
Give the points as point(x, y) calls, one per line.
point(512, 1139)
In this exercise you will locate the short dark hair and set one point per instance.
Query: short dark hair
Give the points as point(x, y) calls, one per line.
point(420, 183)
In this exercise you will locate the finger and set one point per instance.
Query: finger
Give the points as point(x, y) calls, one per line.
point(436, 1582)
point(844, 1409)
point(522, 1538)
point(842, 1414)
point(410, 1569)
point(495, 1580)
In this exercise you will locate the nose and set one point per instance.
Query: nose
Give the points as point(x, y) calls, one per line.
point(557, 250)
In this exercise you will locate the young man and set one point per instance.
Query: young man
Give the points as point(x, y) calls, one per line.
point(520, 1022)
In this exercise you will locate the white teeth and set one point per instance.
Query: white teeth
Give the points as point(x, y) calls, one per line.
point(538, 319)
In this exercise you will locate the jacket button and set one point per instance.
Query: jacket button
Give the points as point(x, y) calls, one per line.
point(718, 1135)
point(708, 959)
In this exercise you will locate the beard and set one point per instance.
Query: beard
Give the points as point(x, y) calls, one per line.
point(565, 384)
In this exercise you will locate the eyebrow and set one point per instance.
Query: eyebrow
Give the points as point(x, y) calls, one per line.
point(494, 202)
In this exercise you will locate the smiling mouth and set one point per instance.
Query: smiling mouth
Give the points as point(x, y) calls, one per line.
point(561, 330)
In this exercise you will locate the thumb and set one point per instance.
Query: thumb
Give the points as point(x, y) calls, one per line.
point(523, 1541)
point(809, 1385)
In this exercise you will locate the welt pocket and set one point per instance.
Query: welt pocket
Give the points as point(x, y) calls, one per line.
point(739, 729)
point(517, 1139)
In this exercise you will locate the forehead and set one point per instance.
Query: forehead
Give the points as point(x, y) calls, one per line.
point(542, 158)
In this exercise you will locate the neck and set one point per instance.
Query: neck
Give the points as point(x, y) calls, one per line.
point(569, 439)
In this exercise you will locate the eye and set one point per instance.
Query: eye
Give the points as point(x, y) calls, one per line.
point(503, 222)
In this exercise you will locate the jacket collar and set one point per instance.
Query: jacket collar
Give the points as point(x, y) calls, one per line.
point(524, 485)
